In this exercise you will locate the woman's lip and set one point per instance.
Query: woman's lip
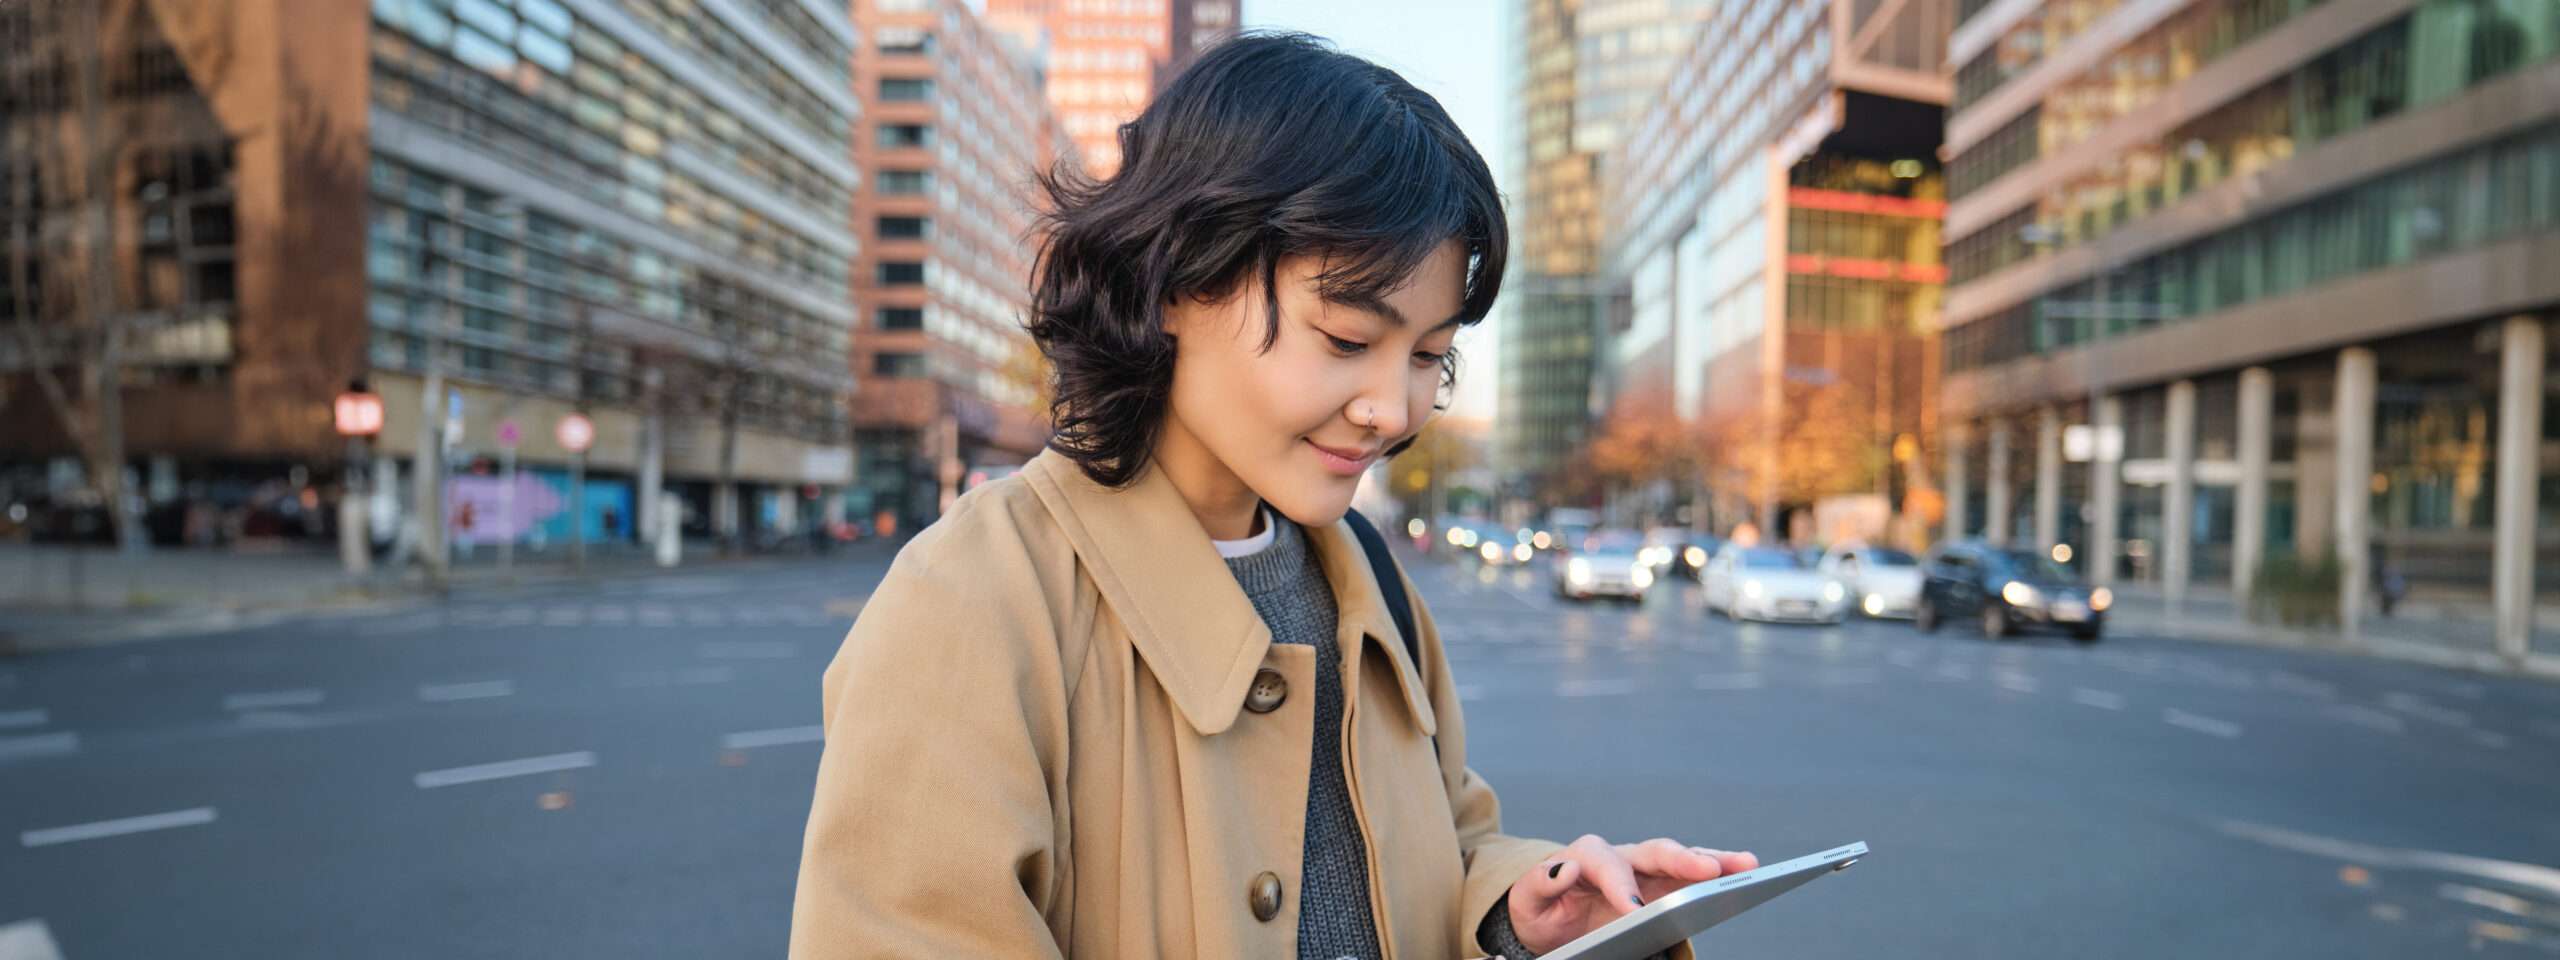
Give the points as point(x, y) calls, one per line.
point(1341, 461)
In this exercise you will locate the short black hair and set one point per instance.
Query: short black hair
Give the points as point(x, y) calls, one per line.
point(1269, 145)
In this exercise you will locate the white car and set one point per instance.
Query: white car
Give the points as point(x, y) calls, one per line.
point(1770, 583)
point(1882, 581)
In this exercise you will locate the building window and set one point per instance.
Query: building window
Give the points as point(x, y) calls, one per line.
point(898, 365)
point(905, 89)
point(904, 228)
point(897, 273)
point(905, 182)
point(900, 318)
point(897, 135)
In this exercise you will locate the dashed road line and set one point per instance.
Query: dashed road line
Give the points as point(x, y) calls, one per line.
point(475, 690)
point(271, 699)
point(28, 940)
point(529, 766)
point(2200, 723)
point(2100, 699)
point(1595, 688)
point(747, 650)
point(16, 719)
point(49, 836)
point(39, 745)
point(2367, 717)
point(752, 739)
point(2418, 707)
point(1727, 681)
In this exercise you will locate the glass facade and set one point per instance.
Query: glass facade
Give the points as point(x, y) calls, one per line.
point(2458, 201)
point(2437, 51)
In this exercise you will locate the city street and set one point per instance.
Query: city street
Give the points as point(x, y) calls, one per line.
point(623, 768)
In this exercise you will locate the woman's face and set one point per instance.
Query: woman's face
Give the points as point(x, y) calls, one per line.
point(1298, 423)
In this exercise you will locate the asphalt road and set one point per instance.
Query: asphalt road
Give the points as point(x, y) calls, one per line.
point(623, 769)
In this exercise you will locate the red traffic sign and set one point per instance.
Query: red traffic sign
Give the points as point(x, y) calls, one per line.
point(508, 434)
point(576, 432)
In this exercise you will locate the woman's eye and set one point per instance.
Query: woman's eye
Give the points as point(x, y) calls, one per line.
point(1346, 347)
point(1426, 358)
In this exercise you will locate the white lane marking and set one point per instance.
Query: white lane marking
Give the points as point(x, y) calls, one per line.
point(2199, 723)
point(1727, 681)
point(1904, 658)
point(474, 690)
point(528, 766)
point(1843, 678)
point(747, 650)
point(564, 616)
point(28, 940)
point(752, 739)
point(2368, 717)
point(271, 699)
point(652, 615)
point(195, 816)
point(703, 617)
point(1952, 672)
point(2490, 739)
point(2016, 682)
point(2498, 900)
point(2544, 879)
point(24, 718)
point(518, 617)
point(39, 745)
point(2100, 699)
point(612, 613)
point(1595, 688)
point(2294, 683)
point(2420, 708)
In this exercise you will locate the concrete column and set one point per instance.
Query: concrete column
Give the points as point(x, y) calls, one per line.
point(2048, 478)
point(653, 459)
point(2105, 487)
point(2519, 476)
point(1996, 509)
point(2350, 529)
point(428, 480)
point(2178, 503)
point(1959, 437)
point(2249, 501)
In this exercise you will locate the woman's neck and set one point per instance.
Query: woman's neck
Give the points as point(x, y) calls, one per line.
point(1225, 507)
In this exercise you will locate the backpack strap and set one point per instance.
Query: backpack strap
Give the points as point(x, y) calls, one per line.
point(1391, 587)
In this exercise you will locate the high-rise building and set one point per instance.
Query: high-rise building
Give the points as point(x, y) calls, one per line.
point(1772, 250)
point(953, 127)
point(496, 213)
point(1584, 69)
point(2242, 282)
point(1103, 60)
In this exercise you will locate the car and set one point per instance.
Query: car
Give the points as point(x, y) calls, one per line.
point(1495, 546)
point(1772, 583)
point(1608, 565)
point(2008, 591)
point(1676, 551)
point(1882, 581)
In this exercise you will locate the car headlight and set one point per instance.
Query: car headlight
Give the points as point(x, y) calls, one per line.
point(2019, 594)
point(1542, 541)
point(1874, 605)
point(1833, 591)
point(1642, 575)
point(1696, 556)
point(1456, 536)
point(1521, 552)
point(2101, 598)
point(1578, 570)
point(1492, 551)
point(1752, 588)
point(1415, 527)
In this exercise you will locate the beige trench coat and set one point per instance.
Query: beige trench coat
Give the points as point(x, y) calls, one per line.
point(1038, 745)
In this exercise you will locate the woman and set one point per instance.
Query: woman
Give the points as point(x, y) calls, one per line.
point(1062, 726)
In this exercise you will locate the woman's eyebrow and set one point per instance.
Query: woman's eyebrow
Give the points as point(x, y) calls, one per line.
point(1384, 309)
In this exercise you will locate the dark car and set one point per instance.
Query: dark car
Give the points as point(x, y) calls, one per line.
point(2008, 591)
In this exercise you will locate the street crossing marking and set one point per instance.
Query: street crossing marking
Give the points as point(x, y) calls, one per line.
point(28, 940)
point(503, 769)
point(39, 745)
point(2015, 682)
point(15, 719)
point(271, 699)
point(477, 690)
point(752, 739)
point(2367, 717)
point(2199, 723)
point(2420, 708)
point(49, 836)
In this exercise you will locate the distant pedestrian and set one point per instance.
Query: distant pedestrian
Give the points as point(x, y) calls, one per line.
point(1099, 708)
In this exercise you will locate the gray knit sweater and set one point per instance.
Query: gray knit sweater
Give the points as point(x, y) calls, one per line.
point(1286, 583)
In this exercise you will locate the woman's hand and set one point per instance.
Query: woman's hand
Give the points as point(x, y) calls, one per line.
point(1592, 882)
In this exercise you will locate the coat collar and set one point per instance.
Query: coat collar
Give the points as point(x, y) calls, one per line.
point(1185, 612)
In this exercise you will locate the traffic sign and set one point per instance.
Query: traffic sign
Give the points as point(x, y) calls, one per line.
point(576, 432)
point(508, 434)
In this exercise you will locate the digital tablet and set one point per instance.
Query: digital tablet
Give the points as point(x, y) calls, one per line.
point(1692, 909)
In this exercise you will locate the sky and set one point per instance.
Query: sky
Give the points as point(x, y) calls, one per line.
point(1454, 51)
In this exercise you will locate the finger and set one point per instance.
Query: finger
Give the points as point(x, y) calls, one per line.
point(1736, 861)
point(1608, 872)
point(1673, 861)
point(1549, 883)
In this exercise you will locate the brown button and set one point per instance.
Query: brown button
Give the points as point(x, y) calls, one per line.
point(1269, 688)
point(1266, 896)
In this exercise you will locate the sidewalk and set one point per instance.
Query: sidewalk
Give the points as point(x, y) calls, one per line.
point(2445, 631)
point(59, 597)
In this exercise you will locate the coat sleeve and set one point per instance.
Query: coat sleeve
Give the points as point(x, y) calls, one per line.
point(1493, 859)
point(933, 833)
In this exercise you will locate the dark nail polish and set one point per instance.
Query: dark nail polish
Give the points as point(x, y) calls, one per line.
point(1552, 871)
point(1639, 900)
